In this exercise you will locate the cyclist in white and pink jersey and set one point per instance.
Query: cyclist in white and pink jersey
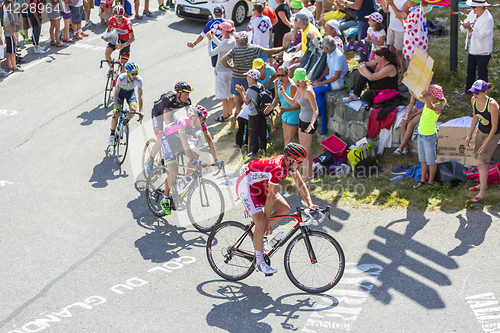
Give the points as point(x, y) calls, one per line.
point(257, 186)
point(174, 140)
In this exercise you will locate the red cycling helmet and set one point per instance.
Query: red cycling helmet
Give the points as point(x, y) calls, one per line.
point(118, 10)
point(294, 150)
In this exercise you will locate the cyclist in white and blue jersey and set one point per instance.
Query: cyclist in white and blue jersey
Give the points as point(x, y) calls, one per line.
point(125, 90)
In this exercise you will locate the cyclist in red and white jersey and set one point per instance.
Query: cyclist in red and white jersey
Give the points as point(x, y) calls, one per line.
point(258, 185)
point(162, 112)
point(123, 27)
point(174, 140)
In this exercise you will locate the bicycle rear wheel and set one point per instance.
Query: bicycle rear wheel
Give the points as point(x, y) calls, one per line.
point(230, 251)
point(205, 205)
point(146, 153)
point(108, 92)
point(122, 146)
point(316, 277)
point(155, 186)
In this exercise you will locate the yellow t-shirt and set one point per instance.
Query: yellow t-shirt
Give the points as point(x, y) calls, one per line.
point(312, 29)
point(428, 121)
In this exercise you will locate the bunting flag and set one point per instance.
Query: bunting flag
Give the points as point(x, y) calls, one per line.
point(442, 3)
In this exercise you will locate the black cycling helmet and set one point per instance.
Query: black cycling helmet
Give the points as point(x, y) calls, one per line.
point(182, 87)
point(294, 150)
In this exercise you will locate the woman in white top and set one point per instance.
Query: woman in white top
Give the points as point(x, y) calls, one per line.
point(223, 74)
point(479, 29)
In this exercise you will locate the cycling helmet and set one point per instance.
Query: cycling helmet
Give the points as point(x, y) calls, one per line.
point(200, 108)
point(182, 87)
point(195, 113)
point(294, 150)
point(118, 10)
point(131, 67)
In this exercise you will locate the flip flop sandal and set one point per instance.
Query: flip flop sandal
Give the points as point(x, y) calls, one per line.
point(221, 119)
point(474, 188)
point(476, 199)
point(462, 95)
point(404, 151)
point(398, 152)
point(420, 183)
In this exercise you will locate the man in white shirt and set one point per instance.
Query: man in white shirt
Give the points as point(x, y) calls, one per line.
point(396, 30)
point(261, 27)
point(332, 77)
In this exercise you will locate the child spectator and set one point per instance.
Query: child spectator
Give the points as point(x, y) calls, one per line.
point(375, 35)
point(242, 133)
point(105, 11)
point(427, 134)
point(256, 122)
point(9, 23)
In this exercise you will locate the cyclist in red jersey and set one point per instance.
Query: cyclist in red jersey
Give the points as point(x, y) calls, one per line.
point(123, 27)
point(257, 186)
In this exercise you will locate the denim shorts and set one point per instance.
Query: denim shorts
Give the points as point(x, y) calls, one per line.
point(427, 148)
point(77, 14)
point(241, 82)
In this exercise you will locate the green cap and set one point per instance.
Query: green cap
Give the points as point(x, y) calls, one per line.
point(417, 1)
point(296, 4)
point(300, 75)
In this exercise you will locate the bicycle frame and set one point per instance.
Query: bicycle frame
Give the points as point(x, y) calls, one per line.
point(281, 242)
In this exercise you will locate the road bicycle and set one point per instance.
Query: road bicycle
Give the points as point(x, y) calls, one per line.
point(120, 144)
point(314, 261)
point(203, 198)
point(111, 80)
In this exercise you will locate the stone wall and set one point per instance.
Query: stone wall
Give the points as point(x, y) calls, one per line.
point(350, 125)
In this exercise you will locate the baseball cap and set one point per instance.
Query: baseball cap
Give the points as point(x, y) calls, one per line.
point(242, 34)
point(253, 73)
point(300, 75)
point(257, 63)
point(296, 4)
point(218, 10)
point(227, 25)
point(376, 16)
point(436, 91)
point(334, 24)
point(478, 86)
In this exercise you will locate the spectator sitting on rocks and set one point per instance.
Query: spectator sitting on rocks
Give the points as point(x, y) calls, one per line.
point(332, 77)
point(408, 122)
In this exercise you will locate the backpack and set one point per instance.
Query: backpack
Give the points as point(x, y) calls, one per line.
point(264, 97)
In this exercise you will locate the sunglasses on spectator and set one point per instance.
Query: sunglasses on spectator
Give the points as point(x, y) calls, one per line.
point(281, 75)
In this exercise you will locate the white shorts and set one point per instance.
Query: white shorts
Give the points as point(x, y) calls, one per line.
point(223, 85)
point(395, 38)
point(253, 197)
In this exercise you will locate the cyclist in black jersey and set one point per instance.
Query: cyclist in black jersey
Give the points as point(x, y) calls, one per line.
point(163, 110)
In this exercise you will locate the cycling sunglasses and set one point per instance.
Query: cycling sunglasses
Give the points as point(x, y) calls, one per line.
point(134, 74)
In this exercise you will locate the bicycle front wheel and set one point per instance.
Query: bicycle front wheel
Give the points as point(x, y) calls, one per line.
point(122, 147)
point(205, 205)
point(230, 251)
point(108, 92)
point(146, 153)
point(316, 277)
point(155, 187)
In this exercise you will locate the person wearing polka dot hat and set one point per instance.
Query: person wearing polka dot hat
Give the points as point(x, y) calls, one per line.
point(434, 101)
point(415, 25)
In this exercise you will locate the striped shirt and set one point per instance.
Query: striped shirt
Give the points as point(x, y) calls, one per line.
point(243, 56)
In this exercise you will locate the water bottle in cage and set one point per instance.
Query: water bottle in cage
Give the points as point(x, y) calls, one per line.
point(276, 239)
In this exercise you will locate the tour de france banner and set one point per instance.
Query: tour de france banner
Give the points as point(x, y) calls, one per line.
point(419, 74)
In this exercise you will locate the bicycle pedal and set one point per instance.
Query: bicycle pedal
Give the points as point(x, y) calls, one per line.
point(268, 275)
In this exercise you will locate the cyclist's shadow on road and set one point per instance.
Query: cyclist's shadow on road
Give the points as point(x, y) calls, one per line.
point(246, 306)
point(97, 113)
point(105, 171)
point(471, 231)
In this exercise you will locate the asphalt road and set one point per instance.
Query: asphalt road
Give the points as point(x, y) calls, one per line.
point(81, 252)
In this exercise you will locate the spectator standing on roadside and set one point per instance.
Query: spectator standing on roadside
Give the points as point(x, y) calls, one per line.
point(261, 27)
point(136, 9)
point(267, 78)
point(55, 22)
point(77, 15)
point(479, 29)
point(87, 6)
point(35, 17)
point(363, 8)
point(243, 55)
point(212, 25)
point(415, 25)
point(66, 15)
point(396, 31)
point(2, 72)
point(284, 25)
point(9, 24)
point(223, 74)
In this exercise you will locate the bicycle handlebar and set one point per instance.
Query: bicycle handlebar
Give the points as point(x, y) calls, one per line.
point(133, 112)
point(315, 215)
point(112, 62)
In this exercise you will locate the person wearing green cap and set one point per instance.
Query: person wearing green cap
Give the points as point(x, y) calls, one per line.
point(308, 116)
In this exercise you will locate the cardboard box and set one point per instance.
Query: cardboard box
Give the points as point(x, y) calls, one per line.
point(451, 142)
point(446, 158)
point(470, 161)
